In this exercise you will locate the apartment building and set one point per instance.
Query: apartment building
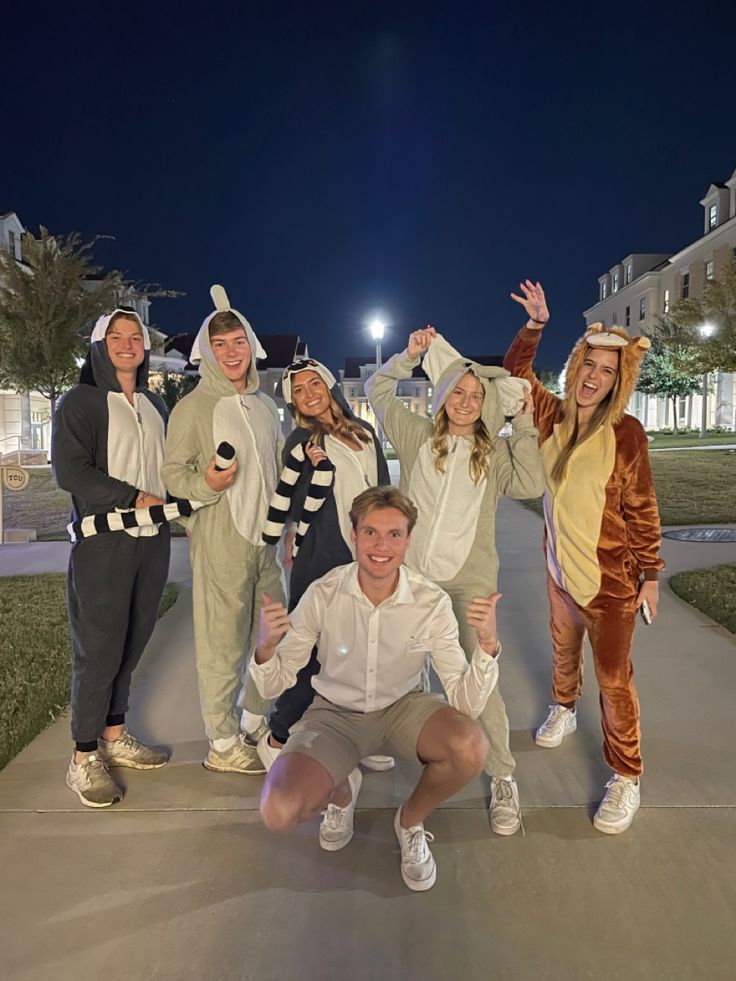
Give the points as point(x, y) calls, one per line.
point(641, 288)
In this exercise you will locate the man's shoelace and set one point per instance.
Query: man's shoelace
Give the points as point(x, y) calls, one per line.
point(334, 817)
point(416, 845)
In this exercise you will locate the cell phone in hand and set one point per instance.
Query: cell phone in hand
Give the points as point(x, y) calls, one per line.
point(646, 613)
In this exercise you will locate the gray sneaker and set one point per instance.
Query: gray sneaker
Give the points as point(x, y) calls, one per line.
point(91, 782)
point(240, 758)
point(128, 751)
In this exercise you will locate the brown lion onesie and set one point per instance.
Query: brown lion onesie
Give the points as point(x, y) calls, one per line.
point(602, 535)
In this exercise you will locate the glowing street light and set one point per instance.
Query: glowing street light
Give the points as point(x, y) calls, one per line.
point(705, 331)
point(377, 329)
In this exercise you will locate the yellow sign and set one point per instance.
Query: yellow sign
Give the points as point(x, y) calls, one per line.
point(15, 478)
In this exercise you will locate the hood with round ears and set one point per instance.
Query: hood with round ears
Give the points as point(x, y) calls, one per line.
point(97, 368)
point(309, 364)
point(212, 375)
point(631, 353)
point(445, 367)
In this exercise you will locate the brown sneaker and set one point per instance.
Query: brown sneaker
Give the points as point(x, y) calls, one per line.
point(91, 782)
point(128, 751)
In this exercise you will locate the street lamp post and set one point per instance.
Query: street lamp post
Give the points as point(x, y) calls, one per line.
point(706, 331)
point(377, 329)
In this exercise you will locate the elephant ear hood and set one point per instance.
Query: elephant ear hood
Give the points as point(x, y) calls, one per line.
point(445, 367)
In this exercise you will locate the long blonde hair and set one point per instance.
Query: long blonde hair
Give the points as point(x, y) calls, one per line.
point(605, 414)
point(349, 429)
point(480, 457)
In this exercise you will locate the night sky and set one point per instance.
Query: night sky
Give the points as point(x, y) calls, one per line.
point(325, 161)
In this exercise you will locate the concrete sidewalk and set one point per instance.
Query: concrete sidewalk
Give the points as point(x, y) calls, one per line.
point(181, 880)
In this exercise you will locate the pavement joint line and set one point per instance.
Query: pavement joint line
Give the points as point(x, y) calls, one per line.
point(364, 810)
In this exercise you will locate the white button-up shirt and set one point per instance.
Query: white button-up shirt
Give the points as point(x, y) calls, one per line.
point(372, 655)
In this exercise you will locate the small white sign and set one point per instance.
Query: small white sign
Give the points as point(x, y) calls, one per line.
point(15, 478)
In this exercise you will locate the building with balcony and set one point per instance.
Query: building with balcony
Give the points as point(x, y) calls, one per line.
point(640, 289)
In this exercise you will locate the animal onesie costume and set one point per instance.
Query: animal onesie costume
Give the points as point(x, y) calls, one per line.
point(453, 543)
point(231, 567)
point(602, 535)
point(104, 451)
point(323, 538)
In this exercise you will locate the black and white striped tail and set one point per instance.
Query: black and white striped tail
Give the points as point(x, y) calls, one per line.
point(96, 524)
point(320, 486)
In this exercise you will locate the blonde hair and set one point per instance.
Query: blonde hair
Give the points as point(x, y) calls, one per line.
point(383, 497)
point(342, 426)
point(605, 414)
point(480, 457)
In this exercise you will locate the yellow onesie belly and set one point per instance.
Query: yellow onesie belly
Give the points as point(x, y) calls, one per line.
point(574, 509)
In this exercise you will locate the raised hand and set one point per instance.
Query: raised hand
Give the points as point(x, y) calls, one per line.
point(419, 341)
point(482, 616)
point(534, 302)
point(273, 625)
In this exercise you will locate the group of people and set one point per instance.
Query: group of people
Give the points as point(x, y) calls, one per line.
point(384, 581)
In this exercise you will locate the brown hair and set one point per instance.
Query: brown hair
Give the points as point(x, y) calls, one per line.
point(225, 322)
point(605, 414)
point(383, 497)
point(480, 457)
point(124, 315)
point(341, 426)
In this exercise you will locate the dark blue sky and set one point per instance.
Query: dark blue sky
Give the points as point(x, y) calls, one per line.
point(323, 160)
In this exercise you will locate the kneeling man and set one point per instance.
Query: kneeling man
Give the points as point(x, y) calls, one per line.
point(374, 623)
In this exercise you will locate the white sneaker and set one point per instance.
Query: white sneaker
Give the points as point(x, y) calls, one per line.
point(336, 829)
point(91, 782)
point(559, 723)
point(268, 753)
point(240, 758)
point(619, 805)
point(418, 868)
point(378, 763)
point(504, 810)
point(252, 736)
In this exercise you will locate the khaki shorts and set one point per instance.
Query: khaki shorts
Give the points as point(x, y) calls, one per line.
point(339, 738)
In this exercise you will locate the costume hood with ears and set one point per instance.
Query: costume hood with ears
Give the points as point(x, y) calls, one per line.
point(98, 370)
point(631, 352)
point(202, 349)
point(309, 364)
point(503, 394)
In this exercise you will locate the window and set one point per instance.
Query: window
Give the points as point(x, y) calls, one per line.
point(629, 273)
point(281, 413)
point(604, 290)
point(709, 269)
point(642, 308)
point(429, 391)
point(613, 319)
point(11, 242)
point(666, 304)
point(615, 284)
point(713, 216)
point(685, 286)
point(628, 316)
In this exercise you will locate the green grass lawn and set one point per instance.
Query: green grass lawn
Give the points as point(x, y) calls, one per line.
point(712, 591)
point(35, 665)
point(46, 508)
point(664, 440)
point(692, 487)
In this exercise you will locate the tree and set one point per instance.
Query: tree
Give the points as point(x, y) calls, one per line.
point(680, 330)
point(172, 386)
point(661, 375)
point(550, 379)
point(45, 301)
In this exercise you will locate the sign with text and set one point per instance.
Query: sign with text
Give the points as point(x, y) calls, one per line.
point(15, 478)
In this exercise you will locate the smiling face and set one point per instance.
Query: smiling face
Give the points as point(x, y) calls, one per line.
point(381, 539)
point(309, 394)
point(125, 344)
point(463, 405)
point(232, 353)
point(597, 377)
